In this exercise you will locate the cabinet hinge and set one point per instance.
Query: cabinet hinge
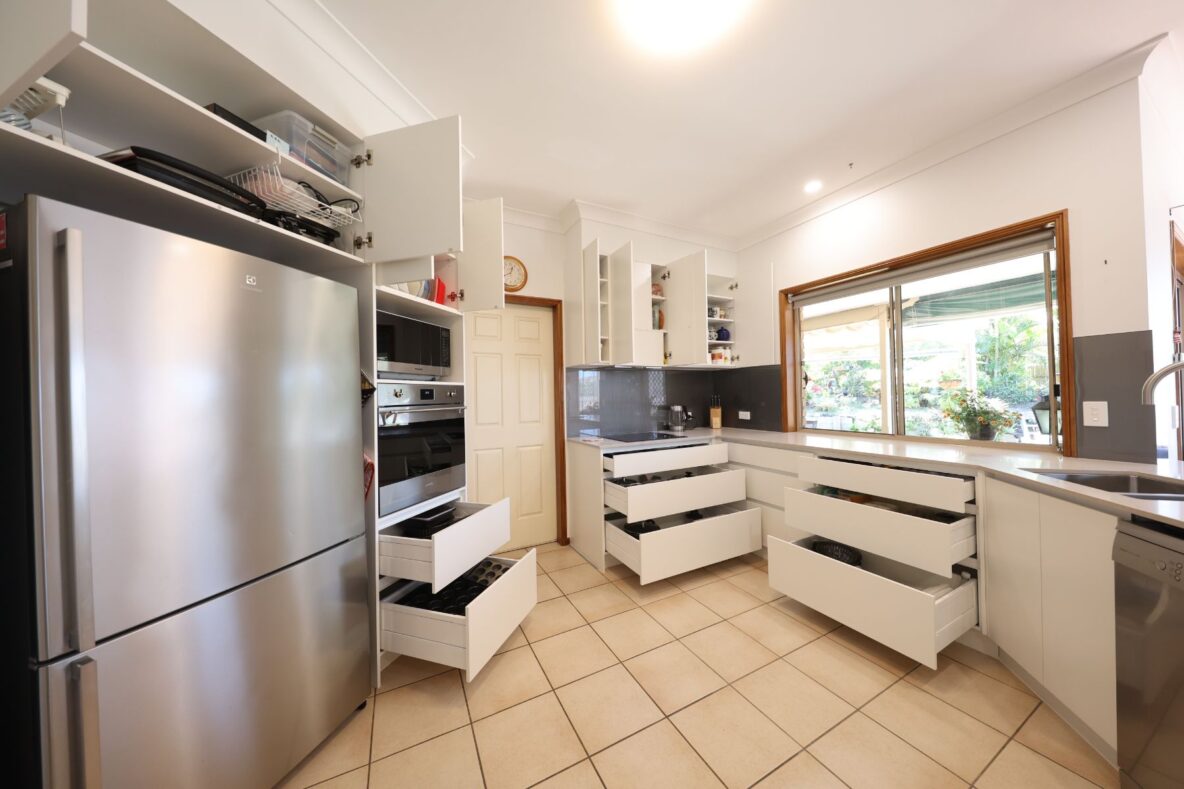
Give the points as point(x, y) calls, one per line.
point(734, 286)
point(366, 159)
point(457, 295)
point(665, 276)
point(366, 241)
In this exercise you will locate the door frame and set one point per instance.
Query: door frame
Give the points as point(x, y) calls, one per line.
point(1176, 250)
point(556, 307)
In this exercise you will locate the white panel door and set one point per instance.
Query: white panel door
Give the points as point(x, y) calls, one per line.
point(34, 37)
point(686, 310)
point(510, 422)
point(479, 266)
point(1011, 540)
point(412, 189)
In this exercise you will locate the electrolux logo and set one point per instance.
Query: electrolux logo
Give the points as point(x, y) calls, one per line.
point(251, 283)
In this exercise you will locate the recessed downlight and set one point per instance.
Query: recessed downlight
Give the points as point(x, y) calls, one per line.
point(673, 28)
point(812, 186)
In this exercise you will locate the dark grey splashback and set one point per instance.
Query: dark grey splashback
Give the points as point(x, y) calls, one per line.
point(631, 400)
point(1112, 367)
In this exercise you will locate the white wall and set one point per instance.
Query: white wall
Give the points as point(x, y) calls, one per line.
point(538, 243)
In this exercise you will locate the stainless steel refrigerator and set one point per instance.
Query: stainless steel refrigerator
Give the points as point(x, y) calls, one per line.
point(184, 565)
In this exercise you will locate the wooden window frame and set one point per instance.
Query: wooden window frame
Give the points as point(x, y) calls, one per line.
point(1058, 221)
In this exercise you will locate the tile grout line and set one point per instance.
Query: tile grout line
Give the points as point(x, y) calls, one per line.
point(566, 716)
point(979, 777)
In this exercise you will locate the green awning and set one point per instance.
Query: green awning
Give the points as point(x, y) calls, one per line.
point(1010, 295)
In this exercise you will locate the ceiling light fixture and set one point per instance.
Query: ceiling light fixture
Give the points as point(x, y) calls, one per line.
point(812, 187)
point(672, 28)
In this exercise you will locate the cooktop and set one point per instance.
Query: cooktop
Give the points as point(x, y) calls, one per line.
point(630, 437)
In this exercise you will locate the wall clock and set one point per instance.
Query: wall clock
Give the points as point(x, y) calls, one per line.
point(513, 274)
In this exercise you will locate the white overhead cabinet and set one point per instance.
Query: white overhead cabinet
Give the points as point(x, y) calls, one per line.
point(633, 337)
point(597, 316)
point(479, 265)
point(698, 306)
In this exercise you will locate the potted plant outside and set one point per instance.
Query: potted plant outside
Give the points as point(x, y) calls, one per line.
point(980, 416)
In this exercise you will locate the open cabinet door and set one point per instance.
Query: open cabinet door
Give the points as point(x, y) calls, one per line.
point(411, 185)
point(479, 266)
point(620, 276)
point(592, 329)
point(34, 37)
point(686, 309)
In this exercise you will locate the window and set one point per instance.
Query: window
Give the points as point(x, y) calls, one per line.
point(958, 343)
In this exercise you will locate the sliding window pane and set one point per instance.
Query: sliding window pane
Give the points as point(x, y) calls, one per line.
point(846, 375)
point(976, 353)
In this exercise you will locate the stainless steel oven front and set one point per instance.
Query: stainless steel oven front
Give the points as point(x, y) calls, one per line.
point(421, 443)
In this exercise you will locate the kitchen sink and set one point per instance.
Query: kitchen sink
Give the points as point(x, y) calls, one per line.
point(1136, 486)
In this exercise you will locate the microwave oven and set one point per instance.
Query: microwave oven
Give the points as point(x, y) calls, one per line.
point(411, 347)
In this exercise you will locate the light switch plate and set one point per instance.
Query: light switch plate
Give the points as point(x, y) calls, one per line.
point(1097, 413)
point(745, 415)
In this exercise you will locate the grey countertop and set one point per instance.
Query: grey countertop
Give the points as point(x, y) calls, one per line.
point(1010, 463)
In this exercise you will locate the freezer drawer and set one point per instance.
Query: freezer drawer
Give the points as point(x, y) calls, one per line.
point(932, 540)
point(942, 491)
point(447, 554)
point(681, 544)
point(469, 640)
point(672, 492)
point(909, 610)
point(231, 693)
point(653, 461)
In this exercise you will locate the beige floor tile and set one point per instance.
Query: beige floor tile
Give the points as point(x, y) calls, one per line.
point(527, 743)
point(802, 772)
point(775, 630)
point(645, 593)
point(547, 547)
point(694, 579)
point(345, 749)
point(547, 589)
point(729, 651)
point(574, 579)
point(805, 614)
point(406, 670)
point(618, 571)
point(851, 677)
point(572, 655)
point(755, 558)
point(559, 559)
point(631, 633)
point(992, 702)
point(865, 755)
point(984, 664)
point(551, 618)
point(756, 583)
point(507, 679)
point(581, 776)
point(516, 639)
point(655, 758)
point(960, 743)
point(607, 707)
point(354, 779)
point(449, 760)
point(885, 657)
point(418, 712)
point(730, 567)
point(1020, 766)
point(1050, 736)
point(724, 599)
point(515, 554)
point(682, 614)
point(673, 676)
point(735, 739)
point(796, 703)
point(601, 602)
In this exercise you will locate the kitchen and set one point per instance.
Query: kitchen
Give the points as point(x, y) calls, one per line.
point(841, 476)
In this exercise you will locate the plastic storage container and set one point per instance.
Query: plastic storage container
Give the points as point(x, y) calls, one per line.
point(310, 144)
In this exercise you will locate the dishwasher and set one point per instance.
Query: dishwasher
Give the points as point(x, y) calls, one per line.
point(1149, 615)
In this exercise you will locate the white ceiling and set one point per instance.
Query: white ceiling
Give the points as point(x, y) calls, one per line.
point(558, 105)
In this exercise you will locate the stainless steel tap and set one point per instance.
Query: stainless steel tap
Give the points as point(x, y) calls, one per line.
point(1157, 376)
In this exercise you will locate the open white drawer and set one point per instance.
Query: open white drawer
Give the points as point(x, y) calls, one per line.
point(465, 641)
point(914, 612)
point(929, 539)
point(443, 557)
point(671, 492)
point(943, 491)
point(652, 461)
point(682, 544)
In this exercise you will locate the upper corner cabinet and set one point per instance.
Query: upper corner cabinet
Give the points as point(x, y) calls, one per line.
point(411, 181)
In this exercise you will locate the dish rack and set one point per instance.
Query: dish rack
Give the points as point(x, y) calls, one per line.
point(284, 194)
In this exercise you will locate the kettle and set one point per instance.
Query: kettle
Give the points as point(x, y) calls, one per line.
point(680, 418)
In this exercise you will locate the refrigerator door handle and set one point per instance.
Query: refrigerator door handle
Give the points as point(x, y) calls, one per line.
point(85, 762)
point(76, 487)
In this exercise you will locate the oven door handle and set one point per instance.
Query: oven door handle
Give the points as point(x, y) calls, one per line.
point(394, 417)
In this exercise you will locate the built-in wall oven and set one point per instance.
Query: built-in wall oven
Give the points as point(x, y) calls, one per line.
point(407, 347)
point(421, 443)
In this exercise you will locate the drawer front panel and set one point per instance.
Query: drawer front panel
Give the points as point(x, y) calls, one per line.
point(657, 499)
point(928, 544)
point(624, 464)
point(932, 490)
point(773, 524)
point(449, 553)
point(679, 549)
point(783, 460)
point(769, 486)
point(916, 622)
